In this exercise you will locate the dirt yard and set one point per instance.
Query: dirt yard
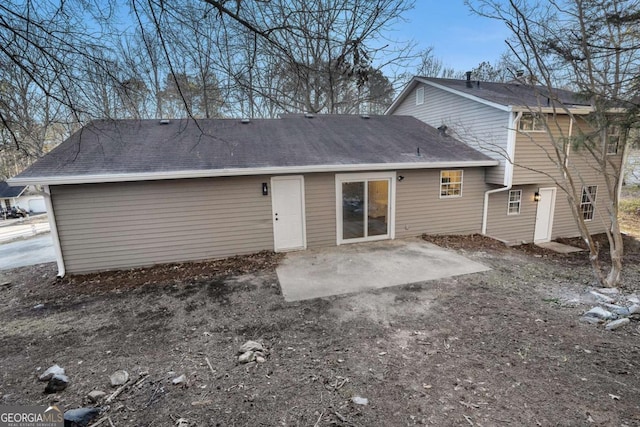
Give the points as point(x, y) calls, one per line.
point(505, 347)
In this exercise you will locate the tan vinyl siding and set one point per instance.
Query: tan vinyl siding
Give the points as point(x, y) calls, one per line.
point(517, 229)
point(419, 208)
point(481, 126)
point(113, 226)
point(320, 209)
point(564, 224)
point(535, 155)
point(512, 229)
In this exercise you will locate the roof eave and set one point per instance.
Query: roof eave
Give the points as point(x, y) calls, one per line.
point(465, 95)
point(579, 110)
point(187, 174)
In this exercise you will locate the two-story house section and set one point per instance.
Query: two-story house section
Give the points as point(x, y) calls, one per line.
point(523, 201)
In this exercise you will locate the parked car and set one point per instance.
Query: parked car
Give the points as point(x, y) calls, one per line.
point(15, 212)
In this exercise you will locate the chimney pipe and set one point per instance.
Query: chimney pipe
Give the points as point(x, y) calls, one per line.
point(469, 84)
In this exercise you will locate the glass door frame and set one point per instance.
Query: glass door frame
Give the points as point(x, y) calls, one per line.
point(391, 205)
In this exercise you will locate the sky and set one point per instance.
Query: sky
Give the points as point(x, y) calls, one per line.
point(460, 39)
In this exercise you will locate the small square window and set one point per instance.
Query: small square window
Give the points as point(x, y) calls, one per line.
point(451, 183)
point(420, 96)
point(515, 197)
point(588, 201)
point(530, 122)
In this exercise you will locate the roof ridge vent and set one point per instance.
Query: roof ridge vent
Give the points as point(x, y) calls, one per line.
point(165, 121)
point(365, 116)
point(245, 120)
point(308, 115)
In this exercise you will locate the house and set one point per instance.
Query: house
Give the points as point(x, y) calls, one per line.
point(523, 201)
point(131, 193)
point(23, 196)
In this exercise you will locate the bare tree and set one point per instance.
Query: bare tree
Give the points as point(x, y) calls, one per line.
point(432, 66)
point(592, 47)
point(111, 59)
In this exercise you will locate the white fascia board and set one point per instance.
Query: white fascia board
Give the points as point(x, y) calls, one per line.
point(573, 110)
point(551, 110)
point(465, 95)
point(186, 174)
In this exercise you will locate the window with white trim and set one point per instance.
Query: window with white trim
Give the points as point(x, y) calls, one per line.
point(515, 198)
point(613, 139)
point(531, 122)
point(450, 183)
point(588, 201)
point(420, 96)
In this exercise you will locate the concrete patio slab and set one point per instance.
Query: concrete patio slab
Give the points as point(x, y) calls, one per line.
point(559, 247)
point(366, 266)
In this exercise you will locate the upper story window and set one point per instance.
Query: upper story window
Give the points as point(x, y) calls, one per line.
point(531, 122)
point(420, 95)
point(613, 139)
point(515, 198)
point(588, 201)
point(450, 183)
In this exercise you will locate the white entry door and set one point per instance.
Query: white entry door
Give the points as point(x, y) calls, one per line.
point(287, 202)
point(544, 215)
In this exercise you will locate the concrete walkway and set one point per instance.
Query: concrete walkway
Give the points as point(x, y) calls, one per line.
point(365, 266)
point(559, 247)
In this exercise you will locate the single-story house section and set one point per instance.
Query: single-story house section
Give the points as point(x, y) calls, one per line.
point(23, 196)
point(127, 193)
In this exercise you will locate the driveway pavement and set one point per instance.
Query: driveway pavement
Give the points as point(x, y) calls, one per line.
point(21, 253)
point(365, 266)
point(11, 229)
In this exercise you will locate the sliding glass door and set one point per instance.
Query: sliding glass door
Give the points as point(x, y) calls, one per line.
point(365, 207)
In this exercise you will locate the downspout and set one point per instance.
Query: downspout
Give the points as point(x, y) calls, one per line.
point(508, 167)
point(54, 231)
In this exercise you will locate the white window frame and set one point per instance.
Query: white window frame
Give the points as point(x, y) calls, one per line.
point(440, 189)
point(537, 123)
point(517, 202)
point(341, 178)
point(613, 132)
point(420, 95)
point(588, 205)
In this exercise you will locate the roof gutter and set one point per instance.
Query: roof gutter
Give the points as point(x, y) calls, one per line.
point(280, 170)
point(514, 118)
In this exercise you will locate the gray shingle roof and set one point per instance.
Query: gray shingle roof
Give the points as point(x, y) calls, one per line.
point(8, 192)
point(515, 94)
point(146, 146)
